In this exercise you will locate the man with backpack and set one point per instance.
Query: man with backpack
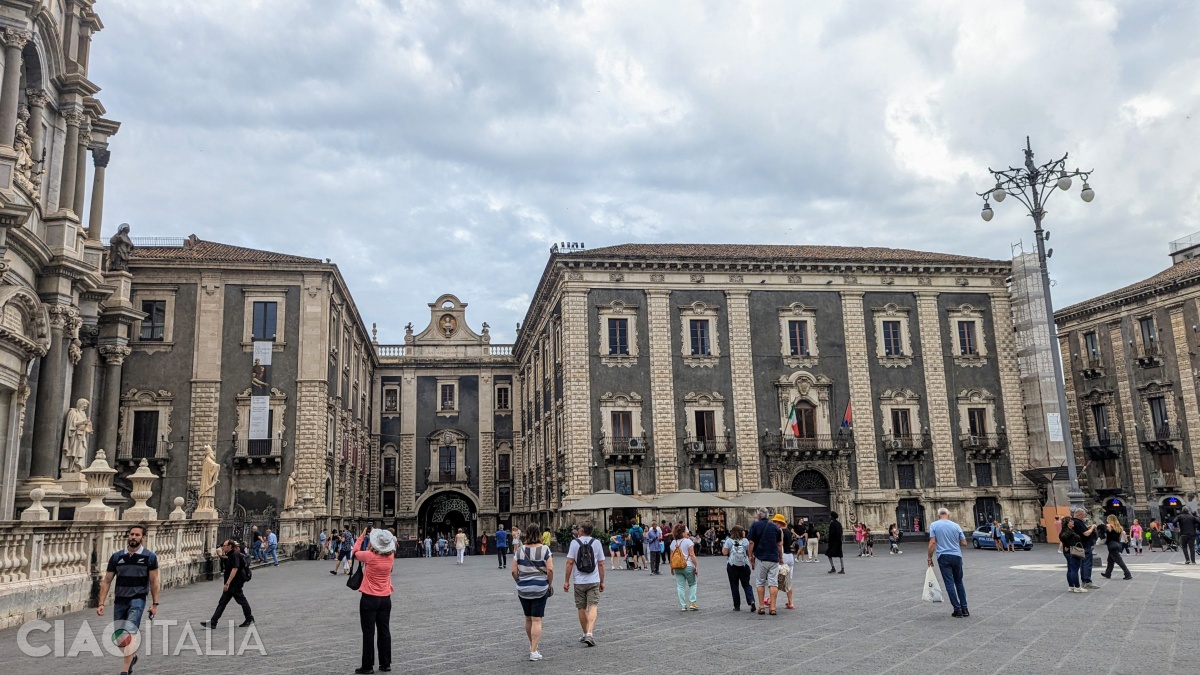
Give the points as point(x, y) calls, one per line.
point(235, 569)
point(585, 566)
point(637, 541)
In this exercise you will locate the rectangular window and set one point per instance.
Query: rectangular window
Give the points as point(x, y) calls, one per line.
point(892, 344)
point(447, 462)
point(154, 325)
point(503, 467)
point(389, 470)
point(623, 481)
point(983, 474)
point(698, 329)
point(622, 425)
point(264, 321)
point(900, 423)
point(389, 503)
point(618, 337)
point(1092, 344)
point(967, 345)
point(391, 400)
point(1100, 419)
point(1158, 415)
point(447, 399)
point(906, 474)
point(261, 447)
point(706, 425)
point(798, 338)
point(708, 480)
point(145, 433)
point(1148, 333)
point(505, 500)
point(502, 399)
point(977, 421)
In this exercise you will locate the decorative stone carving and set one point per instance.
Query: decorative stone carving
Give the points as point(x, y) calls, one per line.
point(849, 279)
point(37, 98)
point(924, 281)
point(795, 279)
point(13, 37)
point(210, 475)
point(100, 157)
point(74, 117)
point(120, 250)
point(114, 354)
point(142, 479)
point(60, 315)
point(289, 494)
point(736, 278)
point(887, 281)
point(658, 277)
point(178, 513)
point(616, 276)
point(961, 281)
point(99, 480)
point(697, 278)
point(36, 512)
point(574, 276)
point(27, 176)
point(75, 437)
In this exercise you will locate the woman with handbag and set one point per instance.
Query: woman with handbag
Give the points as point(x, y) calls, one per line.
point(533, 570)
point(373, 579)
point(1112, 539)
point(1072, 548)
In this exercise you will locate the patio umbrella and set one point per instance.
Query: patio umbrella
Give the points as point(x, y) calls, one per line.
point(768, 498)
point(692, 499)
point(602, 500)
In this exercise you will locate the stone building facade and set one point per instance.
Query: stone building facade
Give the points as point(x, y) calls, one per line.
point(1131, 369)
point(188, 380)
point(64, 311)
point(445, 427)
point(647, 369)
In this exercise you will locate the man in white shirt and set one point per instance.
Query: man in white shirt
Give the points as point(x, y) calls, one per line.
point(589, 581)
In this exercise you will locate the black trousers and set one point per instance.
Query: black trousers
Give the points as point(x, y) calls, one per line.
point(502, 555)
point(375, 615)
point(739, 575)
point(654, 561)
point(1114, 557)
point(234, 593)
point(1188, 541)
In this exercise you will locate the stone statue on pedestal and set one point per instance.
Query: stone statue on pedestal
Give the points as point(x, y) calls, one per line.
point(209, 477)
point(75, 437)
point(289, 495)
point(120, 249)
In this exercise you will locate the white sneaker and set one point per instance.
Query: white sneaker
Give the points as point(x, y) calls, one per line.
point(535, 656)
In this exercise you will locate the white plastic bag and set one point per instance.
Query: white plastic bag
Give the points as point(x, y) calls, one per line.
point(933, 589)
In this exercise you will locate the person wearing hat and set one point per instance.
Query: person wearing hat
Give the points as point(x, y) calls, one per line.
point(376, 550)
point(766, 552)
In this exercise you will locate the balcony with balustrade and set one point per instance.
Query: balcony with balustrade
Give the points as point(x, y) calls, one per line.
point(623, 450)
point(1104, 445)
point(264, 454)
point(1161, 439)
point(1149, 354)
point(983, 447)
point(907, 447)
point(785, 446)
point(1092, 366)
point(705, 450)
point(133, 451)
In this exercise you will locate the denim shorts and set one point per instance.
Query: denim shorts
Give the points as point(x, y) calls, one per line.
point(128, 610)
point(535, 608)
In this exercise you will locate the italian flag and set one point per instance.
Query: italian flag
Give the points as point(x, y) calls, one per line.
point(793, 423)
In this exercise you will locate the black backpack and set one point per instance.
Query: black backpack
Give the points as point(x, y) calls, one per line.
point(585, 557)
point(244, 572)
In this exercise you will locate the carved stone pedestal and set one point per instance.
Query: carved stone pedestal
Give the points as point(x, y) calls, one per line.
point(73, 484)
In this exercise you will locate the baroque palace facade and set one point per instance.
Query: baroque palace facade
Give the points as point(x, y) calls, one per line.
point(1132, 375)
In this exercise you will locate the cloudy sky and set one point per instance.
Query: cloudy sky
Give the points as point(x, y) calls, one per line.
point(432, 147)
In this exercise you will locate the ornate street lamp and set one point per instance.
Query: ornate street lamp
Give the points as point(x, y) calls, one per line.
point(1032, 186)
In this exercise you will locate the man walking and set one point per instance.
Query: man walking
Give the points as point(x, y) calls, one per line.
point(945, 541)
point(233, 571)
point(585, 566)
point(502, 546)
point(637, 542)
point(272, 545)
point(256, 543)
point(1089, 535)
point(766, 552)
point(136, 572)
point(428, 547)
point(1186, 523)
point(653, 537)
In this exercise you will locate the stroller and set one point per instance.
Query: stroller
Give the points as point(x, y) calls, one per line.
point(1167, 538)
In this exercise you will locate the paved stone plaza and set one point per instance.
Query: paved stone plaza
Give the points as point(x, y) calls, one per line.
point(448, 618)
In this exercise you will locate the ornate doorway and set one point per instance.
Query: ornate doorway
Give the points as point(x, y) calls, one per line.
point(445, 513)
point(813, 486)
point(987, 509)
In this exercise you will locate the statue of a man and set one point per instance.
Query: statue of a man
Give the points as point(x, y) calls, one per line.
point(209, 477)
point(289, 495)
point(75, 437)
point(120, 249)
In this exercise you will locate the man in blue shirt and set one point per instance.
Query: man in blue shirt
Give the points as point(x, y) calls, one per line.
point(765, 552)
point(502, 547)
point(135, 570)
point(945, 541)
point(272, 545)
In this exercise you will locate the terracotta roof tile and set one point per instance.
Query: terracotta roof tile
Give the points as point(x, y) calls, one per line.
point(1186, 271)
point(782, 252)
point(198, 249)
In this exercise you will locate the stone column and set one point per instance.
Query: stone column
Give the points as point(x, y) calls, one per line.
point(110, 402)
point(858, 364)
point(577, 407)
point(48, 422)
point(66, 190)
point(85, 139)
point(10, 90)
point(662, 391)
point(933, 362)
point(100, 157)
point(37, 100)
point(83, 384)
point(745, 417)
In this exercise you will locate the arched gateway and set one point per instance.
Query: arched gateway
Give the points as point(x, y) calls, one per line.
point(445, 513)
point(813, 486)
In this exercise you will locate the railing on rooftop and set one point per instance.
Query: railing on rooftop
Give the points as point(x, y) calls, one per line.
point(443, 351)
point(160, 241)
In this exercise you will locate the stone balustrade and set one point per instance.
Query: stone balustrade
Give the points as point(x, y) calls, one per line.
point(50, 568)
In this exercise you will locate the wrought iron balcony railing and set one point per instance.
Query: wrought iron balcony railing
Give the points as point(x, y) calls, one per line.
point(705, 449)
point(984, 446)
point(1104, 445)
point(623, 449)
point(814, 446)
point(1161, 438)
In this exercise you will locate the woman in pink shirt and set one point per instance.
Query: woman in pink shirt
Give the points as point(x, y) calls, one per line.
point(375, 603)
point(1135, 536)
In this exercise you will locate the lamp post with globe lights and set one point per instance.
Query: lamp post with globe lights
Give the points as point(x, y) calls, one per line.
point(1033, 185)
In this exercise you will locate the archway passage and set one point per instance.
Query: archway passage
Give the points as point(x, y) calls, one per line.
point(811, 485)
point(987, 509)
point(445, 513)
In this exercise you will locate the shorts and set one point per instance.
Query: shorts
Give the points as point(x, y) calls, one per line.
point(128, 611)
point(535, 607)
point(766, 574)
point(586, 595)
point(342, 555)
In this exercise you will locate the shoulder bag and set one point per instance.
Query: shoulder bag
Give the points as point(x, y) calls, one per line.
point(1077, 551)
point(356, 579)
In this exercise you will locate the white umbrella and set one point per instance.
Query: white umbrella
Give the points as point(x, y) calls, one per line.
point(692, 499)
point(768, 498)
point(603, 500)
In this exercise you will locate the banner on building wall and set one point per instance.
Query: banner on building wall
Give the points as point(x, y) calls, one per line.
point(260, 390)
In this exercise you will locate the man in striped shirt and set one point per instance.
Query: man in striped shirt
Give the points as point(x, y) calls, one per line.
point(136, 572)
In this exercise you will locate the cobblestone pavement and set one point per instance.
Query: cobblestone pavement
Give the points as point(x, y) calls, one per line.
point(448, 618)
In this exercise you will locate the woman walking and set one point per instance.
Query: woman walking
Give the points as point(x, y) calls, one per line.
point(833, 547)
point(737, 566)
point(1112, 539)
point(1155, 535)
point(533, 570)
point(375, 603)
point(1135, 537)
point(894, 540)
point(460, 545)
point(1069, 538)
point(684, 567)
